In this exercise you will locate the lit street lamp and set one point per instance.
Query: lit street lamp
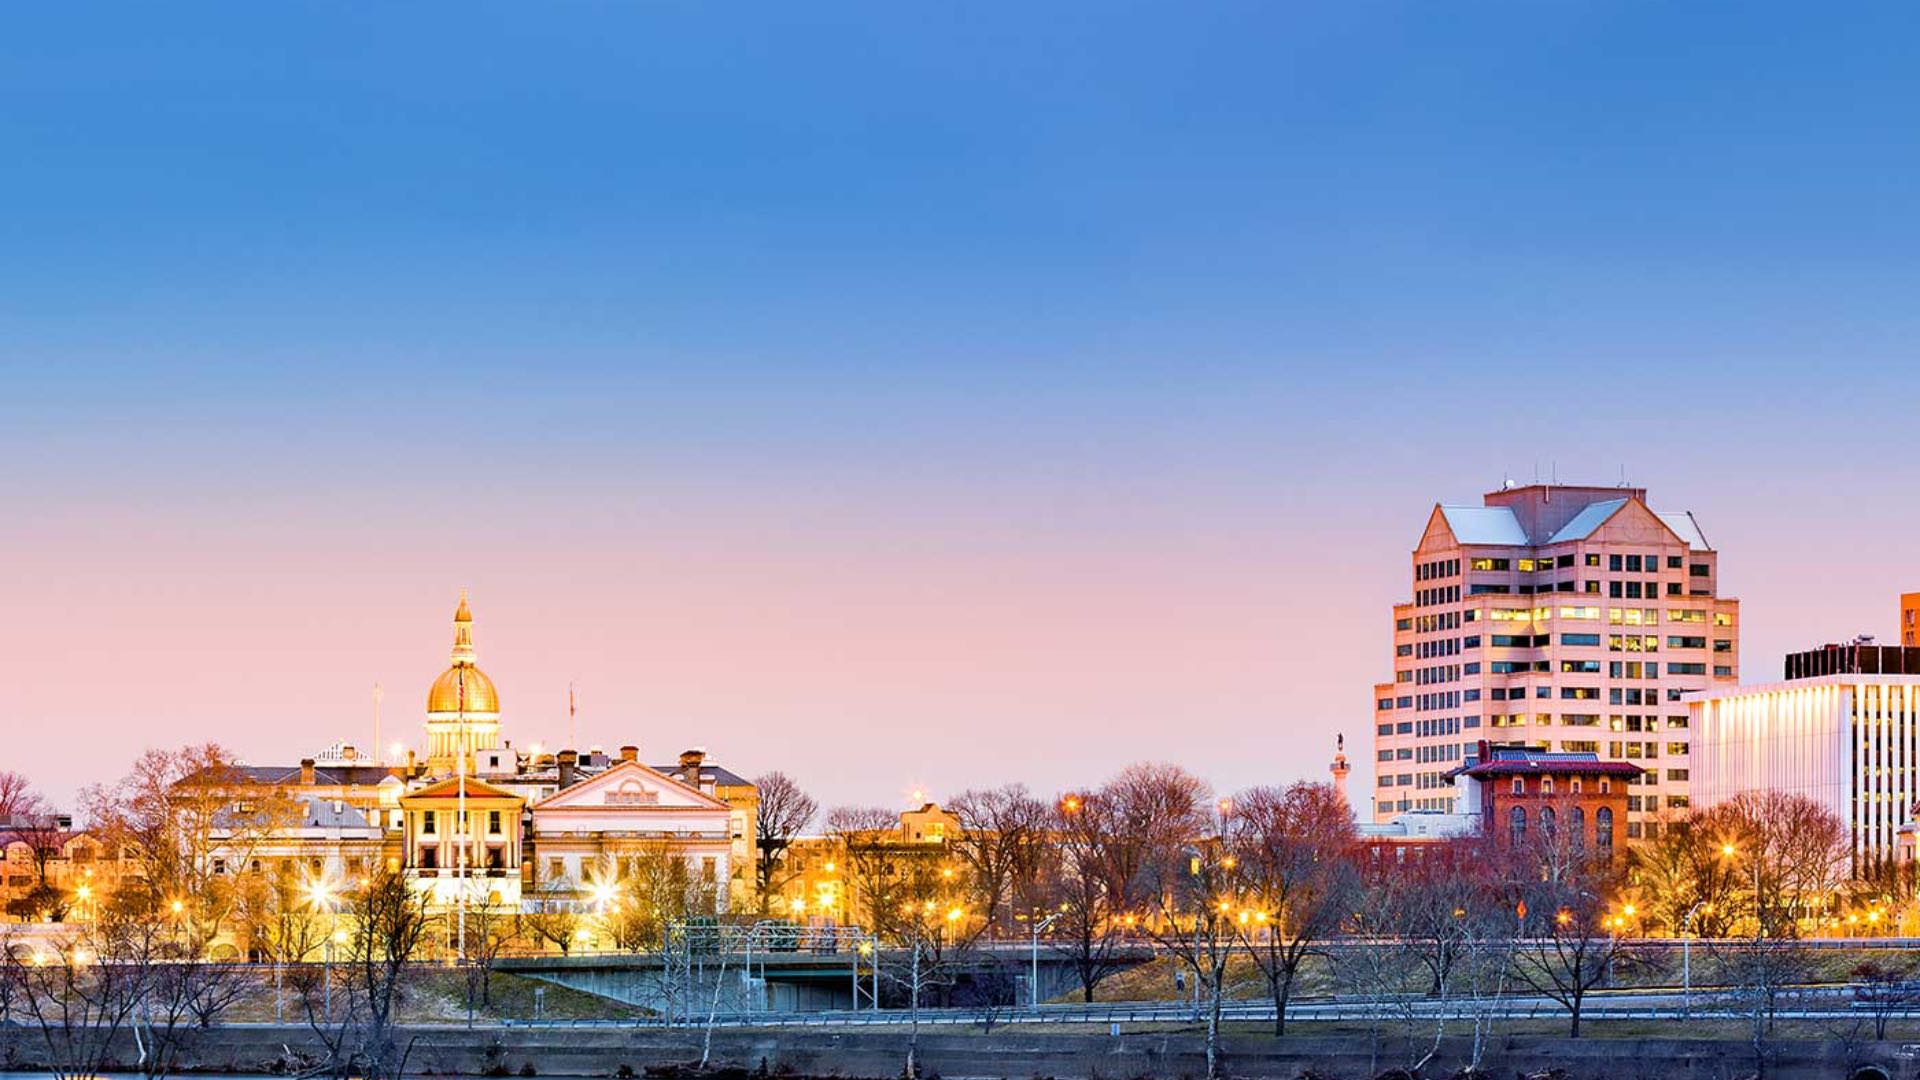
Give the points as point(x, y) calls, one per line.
point(1033, 981)
point(322, 899)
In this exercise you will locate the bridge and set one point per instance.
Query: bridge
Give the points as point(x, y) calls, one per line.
point(806, 972)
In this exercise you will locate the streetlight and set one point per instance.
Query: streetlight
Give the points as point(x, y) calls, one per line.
point(1033, 982)
point(1686, 958)
point(322, 899)
point(1728, 851)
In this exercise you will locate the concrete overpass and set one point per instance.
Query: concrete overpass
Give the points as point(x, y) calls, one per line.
point(844, 978)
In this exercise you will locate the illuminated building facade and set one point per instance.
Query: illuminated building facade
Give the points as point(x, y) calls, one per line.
point(463, 709)
point(525, 810)
point(1523, 797)
point(837, 878)
point(1848, 741)
point(1553, 618)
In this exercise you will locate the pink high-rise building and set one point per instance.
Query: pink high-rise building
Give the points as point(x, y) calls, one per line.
point(1557, 618)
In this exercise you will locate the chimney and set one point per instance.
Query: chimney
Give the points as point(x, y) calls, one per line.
point(306, 770)
point(630, 753)
point(690, 761)
point(567, 759)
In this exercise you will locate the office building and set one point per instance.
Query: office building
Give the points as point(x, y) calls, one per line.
point(1843, 729)
point(1557, 619)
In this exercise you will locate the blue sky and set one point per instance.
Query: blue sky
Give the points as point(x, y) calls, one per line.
point(1217, 298)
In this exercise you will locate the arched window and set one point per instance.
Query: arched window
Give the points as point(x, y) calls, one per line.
point(1517, 824)
point(1548, 822)
point(1603, 828)
point(1577, 825)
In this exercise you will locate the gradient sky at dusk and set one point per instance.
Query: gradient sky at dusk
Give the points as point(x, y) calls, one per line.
point(909, 395)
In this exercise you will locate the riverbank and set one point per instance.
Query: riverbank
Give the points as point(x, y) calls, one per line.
point(1019, 1053)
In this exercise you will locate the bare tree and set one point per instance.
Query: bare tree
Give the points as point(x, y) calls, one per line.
point(1885, 988)
point(1002, 844)
point(1379, 965)
point(785, 812)
point(1687, 886)
point(278, 916)
point(652, 888)
point(491, 931)
point(78, 998)
point(867, 839)
point(1090, 918)
point(915, 974)
point(191, 819)
point(1190, 879)
point(17, 797)
point(176, 995)
point(1574, 935)
point(1294, 847)
point(354, 1015)
point(1756, 970)
point(1786, 855)
point(551, 913)
point(43, 837)
point(27, 820)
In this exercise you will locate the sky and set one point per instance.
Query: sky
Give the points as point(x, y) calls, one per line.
point(908, 397)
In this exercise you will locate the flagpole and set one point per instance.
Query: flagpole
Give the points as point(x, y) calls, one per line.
point(464, 827)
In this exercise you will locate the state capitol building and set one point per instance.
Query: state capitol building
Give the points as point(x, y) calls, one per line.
point(482, 821)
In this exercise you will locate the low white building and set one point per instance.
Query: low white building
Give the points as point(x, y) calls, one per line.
point(599, 825)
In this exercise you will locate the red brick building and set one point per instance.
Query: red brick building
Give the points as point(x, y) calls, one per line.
point(1523, 795)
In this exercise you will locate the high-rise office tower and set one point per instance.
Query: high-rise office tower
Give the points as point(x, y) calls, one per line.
point(1558, 618)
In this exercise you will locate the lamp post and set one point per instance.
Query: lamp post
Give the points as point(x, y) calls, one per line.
point(1728, 851)
point(752, 932)
point(1033, 979)
point(1686, 958)
point(322, 899)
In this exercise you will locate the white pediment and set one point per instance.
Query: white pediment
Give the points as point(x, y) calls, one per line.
point(629, 786)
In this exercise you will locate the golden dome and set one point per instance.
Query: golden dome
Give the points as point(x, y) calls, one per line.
point(463, 687)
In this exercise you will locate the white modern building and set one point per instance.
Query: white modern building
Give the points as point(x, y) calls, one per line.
point(1847, 740)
